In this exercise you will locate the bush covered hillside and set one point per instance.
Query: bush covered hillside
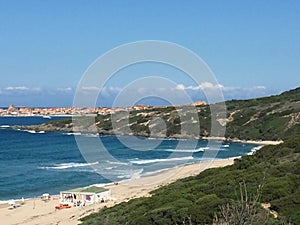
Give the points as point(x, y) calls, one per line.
point(233, 193)
point(229, 195)
point(271, 118)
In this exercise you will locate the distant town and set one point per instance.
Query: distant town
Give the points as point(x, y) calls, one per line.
point(12, 110)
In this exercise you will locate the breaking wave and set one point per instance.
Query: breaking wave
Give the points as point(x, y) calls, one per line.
point(117, 162)
point(72, 133)
point(81, 134)
point(63, 166)
point(255, 149)
point(185, 150)
point(35, 132)
point(147, 161)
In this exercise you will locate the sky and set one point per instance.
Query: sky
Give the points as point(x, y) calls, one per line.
point(252, 47)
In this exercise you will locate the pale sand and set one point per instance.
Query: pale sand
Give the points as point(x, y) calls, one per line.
point(260, 142)
point(35, 211)
point(256, 142)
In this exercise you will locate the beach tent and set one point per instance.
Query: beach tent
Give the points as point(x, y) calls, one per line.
point(84, 196)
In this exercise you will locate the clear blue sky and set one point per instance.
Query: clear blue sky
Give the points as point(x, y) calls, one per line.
point(252, 46)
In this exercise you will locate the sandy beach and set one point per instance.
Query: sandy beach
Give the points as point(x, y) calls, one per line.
point(262, 142)
point(255, 142)
point(36, 211)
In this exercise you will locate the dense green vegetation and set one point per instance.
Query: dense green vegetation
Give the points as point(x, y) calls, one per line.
point(271, 174)
point(214, 196)
point(270, 118)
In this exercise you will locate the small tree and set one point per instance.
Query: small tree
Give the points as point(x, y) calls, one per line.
point(246, 210)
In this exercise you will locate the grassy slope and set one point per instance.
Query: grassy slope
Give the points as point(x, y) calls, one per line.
point(197, 199)
point(269, 118)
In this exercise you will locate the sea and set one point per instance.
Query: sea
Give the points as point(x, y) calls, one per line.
point(33, 163)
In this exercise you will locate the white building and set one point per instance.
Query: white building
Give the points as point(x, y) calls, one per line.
point(84, 196)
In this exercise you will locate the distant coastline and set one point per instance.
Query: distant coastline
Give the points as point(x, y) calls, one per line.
point(262, 121)
point(24, 115)
point(49, 128)
point(235, 140)
point(11, 110)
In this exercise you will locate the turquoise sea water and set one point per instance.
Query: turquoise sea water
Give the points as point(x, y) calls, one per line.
point(35, 163)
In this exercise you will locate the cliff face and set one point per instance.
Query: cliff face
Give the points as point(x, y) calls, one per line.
point(271, 118)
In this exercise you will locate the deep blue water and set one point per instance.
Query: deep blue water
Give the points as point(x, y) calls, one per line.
point(35, 163)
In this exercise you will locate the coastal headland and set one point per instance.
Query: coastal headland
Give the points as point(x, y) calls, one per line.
point(12, 110)
point(273, 118)
point(269, 118)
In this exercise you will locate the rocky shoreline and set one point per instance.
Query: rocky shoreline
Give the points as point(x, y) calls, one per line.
point(69, 129)
point(270, 118)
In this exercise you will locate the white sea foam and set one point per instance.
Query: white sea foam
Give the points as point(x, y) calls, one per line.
point(150, 173)
point(3, 202)
point(91, 135)
point(147, 161)
point(31, 131)
point(4, 126)
point(110, 168)
point(116, 162)
point(81, 134)
point(101, 184)
point(236, 157)
point(123, 176)
point(72, 133)
point(12, 200)
point(63, 166)
point(152, 138)
point(185, 150)
point(225, 146)
point(254, 149)
point(136, 174)
point(130, 174)
point(203, 148)
point(34, 132)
